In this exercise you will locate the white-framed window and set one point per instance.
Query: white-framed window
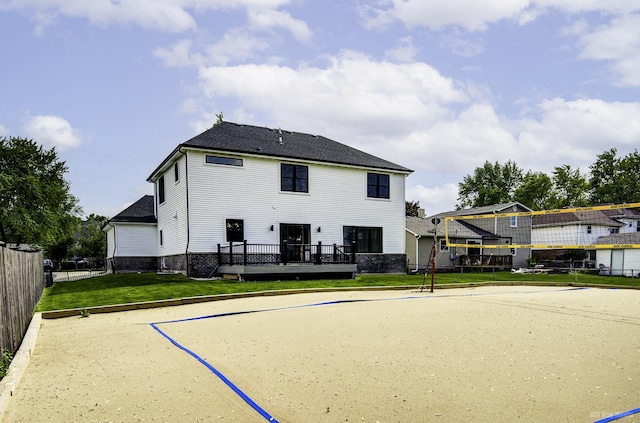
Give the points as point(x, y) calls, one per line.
point(176, 172)
point(514, 221)
point(221, 160)
point(161, 193)
point(377, 185)
point(443, 245)
point(588, 229)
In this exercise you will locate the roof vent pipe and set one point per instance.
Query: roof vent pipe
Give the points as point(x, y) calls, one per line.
point(280, 136)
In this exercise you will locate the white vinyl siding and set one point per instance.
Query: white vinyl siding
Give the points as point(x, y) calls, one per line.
point(336, 198)
point(172, 214)
point(568, 234)
point(132, 240)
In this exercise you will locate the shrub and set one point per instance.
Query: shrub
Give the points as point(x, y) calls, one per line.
point(5, 360)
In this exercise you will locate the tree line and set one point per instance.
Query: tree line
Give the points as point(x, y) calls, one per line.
point(611, 180)
point(37, 208)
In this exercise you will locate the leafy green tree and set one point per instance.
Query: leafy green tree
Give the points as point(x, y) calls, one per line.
point(615, 179)
point(37, 206)
point(411, 208)
point(570, 188)
point(536, 191)
point(91, 241)
point(490, 184)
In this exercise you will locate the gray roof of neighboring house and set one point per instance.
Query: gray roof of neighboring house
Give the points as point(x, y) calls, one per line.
point(457, 229)
point(495, 208)
point(622, 213)
point(590, 217)
point(624, 238)
point(232, 137)
point(142, 211)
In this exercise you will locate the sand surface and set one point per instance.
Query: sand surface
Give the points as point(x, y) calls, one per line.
point(486, 354)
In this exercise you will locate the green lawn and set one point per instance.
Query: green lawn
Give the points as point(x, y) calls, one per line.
point(138, 287)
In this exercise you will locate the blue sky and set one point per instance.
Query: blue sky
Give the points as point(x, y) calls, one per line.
point(438, 87)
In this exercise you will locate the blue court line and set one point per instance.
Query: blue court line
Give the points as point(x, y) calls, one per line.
point(618, 416)
point(244, 396)
point(222, 377)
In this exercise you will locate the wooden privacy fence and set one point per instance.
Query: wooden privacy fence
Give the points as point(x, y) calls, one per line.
point(21, 286)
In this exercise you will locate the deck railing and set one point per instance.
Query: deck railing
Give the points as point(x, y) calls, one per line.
point(243, 253)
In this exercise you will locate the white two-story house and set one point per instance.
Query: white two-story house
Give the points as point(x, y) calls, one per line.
point(245, 200)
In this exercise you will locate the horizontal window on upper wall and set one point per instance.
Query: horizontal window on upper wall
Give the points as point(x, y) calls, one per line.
point(221, 160)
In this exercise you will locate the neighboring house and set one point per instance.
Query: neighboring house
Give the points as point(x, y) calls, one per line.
point(132, 238)
point(294, 198)
point(497, 231)
point(580, 228)
point(621, 259)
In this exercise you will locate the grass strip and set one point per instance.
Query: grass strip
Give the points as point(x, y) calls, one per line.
point(140, 287)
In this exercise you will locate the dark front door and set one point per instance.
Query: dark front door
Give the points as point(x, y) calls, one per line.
point(297, 238)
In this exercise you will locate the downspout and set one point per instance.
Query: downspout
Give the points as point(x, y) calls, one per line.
point(417, 254)
point(186, 180)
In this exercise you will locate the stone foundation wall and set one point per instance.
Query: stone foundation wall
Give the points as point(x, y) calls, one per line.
point(131, 264)
point(203, 265)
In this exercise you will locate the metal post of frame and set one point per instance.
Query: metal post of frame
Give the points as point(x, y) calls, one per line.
point(435, 222)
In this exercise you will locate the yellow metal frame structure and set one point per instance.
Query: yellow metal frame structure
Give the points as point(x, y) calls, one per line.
point(449, 219)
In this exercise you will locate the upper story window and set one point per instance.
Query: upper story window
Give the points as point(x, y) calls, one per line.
point(176, 172)
point(294, 178)
point(443, 245)
point(235, 230)
point(377, 185)
point(514, 221)
point(588, 229)
point(221, 160)
point(161, 196)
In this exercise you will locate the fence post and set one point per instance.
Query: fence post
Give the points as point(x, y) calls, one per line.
point(219, 256)
point(354, 244)
point(244, 252)
point(230, 253)
point(284, 252)
point(335, 253)
point(319, 253)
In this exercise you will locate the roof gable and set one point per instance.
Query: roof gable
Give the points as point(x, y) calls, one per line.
point(232, 137)
point(142, 211)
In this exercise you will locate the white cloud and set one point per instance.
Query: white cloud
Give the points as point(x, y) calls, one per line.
point(166, 15)
point(263, 18)
point(52, 131)
point(459, 44)
point(575, 132)
point(434, 199)
point(178, 55)
point(476, 16)
point(405, 50)
point(471, 15)
point(352, 89)
point(617, 42)
point(3, 131)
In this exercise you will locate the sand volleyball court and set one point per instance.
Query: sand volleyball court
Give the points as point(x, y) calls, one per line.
point(484, 354)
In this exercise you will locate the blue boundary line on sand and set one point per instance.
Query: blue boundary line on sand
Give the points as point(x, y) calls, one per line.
point(618, 416)
point(264, 413)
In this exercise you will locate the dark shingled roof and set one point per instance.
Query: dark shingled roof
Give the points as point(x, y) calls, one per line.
point(142, 211)
point(232, 137)
point(591, 217)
